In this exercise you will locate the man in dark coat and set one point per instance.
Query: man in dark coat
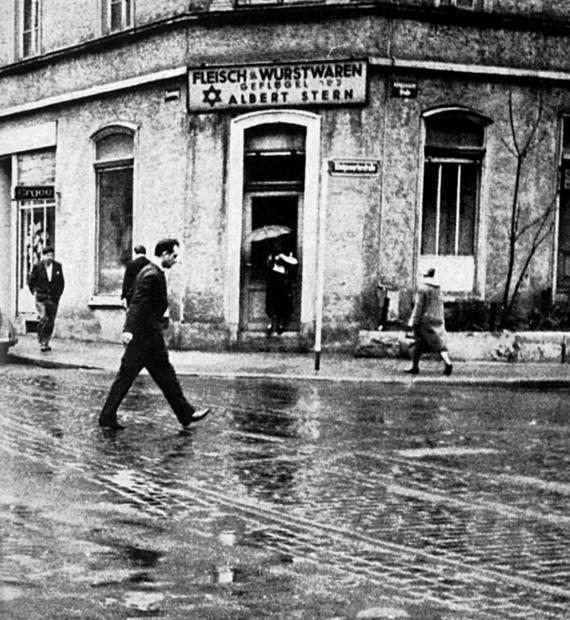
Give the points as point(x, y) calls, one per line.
point(145, 347)
point(46, 283)
point(139, 261)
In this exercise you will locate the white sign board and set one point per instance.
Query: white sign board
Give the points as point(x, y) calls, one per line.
point(317, 83)
point(354, 166)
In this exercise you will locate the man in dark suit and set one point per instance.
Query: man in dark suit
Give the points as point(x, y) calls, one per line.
point(145, 347)
point(46, 283)
point(139, 261)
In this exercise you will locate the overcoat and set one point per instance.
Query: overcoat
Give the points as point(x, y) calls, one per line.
point(427, 319)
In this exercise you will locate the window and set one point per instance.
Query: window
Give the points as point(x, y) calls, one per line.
point(454, 149)
point(563, 276)
point(114, 180)
point(29, 27)
point(117, 15)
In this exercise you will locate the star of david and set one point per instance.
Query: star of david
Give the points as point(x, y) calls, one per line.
point(212, 95)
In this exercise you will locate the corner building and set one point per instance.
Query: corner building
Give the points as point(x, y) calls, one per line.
point(378, 132)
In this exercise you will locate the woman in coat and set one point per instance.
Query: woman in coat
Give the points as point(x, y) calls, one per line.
point(428, 324)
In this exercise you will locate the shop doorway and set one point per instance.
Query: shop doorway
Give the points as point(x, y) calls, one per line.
point(264, 209)
point(274, 174)
point(36, 229)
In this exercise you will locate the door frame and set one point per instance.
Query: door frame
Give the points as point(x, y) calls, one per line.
point(25, 304)
point(235, 201)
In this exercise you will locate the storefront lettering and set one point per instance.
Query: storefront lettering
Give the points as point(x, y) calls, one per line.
point(322, 83)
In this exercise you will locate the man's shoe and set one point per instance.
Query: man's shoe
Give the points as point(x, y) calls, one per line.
point(111, 426)
point(45, 348)
point(412, 371)
point(197, 416)
point(448, 369)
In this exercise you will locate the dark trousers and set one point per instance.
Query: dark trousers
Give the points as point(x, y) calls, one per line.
point(146, 351)
point(47, 311)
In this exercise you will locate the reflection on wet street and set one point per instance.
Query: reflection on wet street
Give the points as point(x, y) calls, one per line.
point(292, 500)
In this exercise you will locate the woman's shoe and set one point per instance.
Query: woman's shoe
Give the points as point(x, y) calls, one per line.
point(448, 369)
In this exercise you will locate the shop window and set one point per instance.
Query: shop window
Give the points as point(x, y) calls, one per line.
point(117, 15)
point(29, 20)
point(454, 150)
point(114, 182)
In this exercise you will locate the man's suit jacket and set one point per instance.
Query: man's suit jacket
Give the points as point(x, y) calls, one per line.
point(131, 273)
point(41, 286)
point(149, 302)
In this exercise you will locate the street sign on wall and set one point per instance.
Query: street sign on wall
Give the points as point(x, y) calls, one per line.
point(322, 83)
point(354, 167)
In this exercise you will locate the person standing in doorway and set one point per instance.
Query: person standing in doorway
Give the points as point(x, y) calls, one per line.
point(144, 342)
point(428, 324)
point(46, 282)
point(139, 261)
point(279, 287)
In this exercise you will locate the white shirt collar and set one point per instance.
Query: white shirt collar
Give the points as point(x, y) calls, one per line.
point(156, 260)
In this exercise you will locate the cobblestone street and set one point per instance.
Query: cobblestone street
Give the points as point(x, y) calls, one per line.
point(294, 499)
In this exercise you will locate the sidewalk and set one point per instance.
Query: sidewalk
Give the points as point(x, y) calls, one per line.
point(334, 367)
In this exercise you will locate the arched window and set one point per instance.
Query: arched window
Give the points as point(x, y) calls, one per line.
point(454, 151)
point(114, 158)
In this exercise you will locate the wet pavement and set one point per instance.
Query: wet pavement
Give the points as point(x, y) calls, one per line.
point(294, 499)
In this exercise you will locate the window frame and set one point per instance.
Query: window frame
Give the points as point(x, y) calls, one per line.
point(127, 15)
point(102, 298)
point(461, 274)
point(459, 161)
point(34, 31)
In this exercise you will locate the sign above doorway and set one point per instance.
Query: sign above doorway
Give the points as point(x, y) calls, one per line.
point(315, 83)
point(34, 192)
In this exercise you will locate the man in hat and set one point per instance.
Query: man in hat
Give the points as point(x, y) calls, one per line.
point(46, 284)
point(428, 324)
point(144, 342)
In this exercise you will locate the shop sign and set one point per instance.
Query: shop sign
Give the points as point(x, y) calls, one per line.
point(405, 90)
point(34, 192)
point(354, 166)
point(317, 83)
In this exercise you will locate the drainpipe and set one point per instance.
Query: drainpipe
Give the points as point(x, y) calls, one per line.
point(319, 287)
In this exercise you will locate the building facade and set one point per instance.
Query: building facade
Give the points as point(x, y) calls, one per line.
point(387, 136)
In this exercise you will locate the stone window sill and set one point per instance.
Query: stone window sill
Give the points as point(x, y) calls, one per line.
point(102, 301)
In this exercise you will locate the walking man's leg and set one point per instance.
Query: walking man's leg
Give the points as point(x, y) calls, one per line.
point(162, 371)
point(51, 313)
point(131, 364)
point(42, 320)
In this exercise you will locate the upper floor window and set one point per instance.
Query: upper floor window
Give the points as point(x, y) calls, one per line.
point(117, 15)
point(114, 159)
point(30, 20)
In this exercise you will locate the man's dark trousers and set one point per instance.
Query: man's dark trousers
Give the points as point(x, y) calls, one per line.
point(146, 351)
point(47, 311)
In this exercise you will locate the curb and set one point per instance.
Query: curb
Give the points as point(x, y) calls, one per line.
point(33, 361)
point(421, 381)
